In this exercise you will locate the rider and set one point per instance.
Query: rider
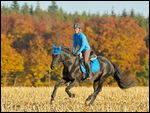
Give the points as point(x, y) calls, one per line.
point(80, 39)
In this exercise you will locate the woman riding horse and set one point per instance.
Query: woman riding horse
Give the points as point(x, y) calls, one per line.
point(80, 39)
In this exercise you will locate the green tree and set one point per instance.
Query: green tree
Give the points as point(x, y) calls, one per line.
point(76, 14)
point(142, 21)
point(113, 12)
point(53, 10)
point(5, 9)
point(97, 14)
point(31, 10)
point(132, 13)
point(143, 75)
point(53, 7)
point(84, 15)
point(105, 14)
point(38, 10)
point(15, 6)
point(25, 9)
point(124, 13)
point(61, 14)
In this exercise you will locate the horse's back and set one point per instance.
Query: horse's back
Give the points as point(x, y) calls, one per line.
point(104, 61)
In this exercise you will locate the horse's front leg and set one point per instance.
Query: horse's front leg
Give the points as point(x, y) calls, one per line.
point(72, 84)
point(60, 82)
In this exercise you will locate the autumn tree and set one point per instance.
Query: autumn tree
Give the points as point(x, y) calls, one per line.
point(12, 62)
point(22, 26)
point(38, 61)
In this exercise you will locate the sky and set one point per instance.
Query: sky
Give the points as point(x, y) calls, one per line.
point(141, 7)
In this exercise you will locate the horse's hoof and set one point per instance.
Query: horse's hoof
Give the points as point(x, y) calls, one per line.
point(89, 98)
point(51, 101)
point(87, 103)
point(72, 95)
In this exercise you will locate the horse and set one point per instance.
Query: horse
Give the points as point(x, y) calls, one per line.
point(72, 73)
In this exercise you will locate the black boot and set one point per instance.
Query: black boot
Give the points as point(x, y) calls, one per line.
point(88, 68)
point(83, 76)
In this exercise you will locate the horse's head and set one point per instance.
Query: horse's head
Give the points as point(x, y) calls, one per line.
point(56, 56)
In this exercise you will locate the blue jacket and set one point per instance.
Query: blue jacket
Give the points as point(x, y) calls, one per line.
point(81, 40)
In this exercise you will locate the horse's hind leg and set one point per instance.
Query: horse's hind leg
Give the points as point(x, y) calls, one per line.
point(72, 84)
point(97, 88)
point(55, 89)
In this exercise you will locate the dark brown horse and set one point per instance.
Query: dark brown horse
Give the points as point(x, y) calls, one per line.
point(72, 73)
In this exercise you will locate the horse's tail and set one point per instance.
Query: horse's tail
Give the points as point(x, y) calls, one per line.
point(123, 84)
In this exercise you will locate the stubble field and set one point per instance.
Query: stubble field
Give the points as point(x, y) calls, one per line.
point(110, 99)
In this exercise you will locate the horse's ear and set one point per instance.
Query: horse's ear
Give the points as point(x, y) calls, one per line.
point(53, 46)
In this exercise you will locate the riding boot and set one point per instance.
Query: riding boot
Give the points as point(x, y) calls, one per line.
point(88, 68)
point(83, 76)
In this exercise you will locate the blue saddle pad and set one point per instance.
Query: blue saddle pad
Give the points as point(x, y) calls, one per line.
point(95, 66)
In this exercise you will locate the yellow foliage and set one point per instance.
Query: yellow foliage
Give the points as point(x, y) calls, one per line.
point(11, 60)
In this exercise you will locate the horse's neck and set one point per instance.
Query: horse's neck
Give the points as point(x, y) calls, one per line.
point(67, 58)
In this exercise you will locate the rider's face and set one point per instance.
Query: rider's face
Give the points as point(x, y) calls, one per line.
point(77, 30)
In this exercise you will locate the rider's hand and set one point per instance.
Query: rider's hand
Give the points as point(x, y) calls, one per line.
point(80, 55)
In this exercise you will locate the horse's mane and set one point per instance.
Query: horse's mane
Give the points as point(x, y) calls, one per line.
point(67, 50)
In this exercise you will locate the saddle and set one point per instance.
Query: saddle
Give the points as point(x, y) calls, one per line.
point(92, 56)
point(94, 62)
